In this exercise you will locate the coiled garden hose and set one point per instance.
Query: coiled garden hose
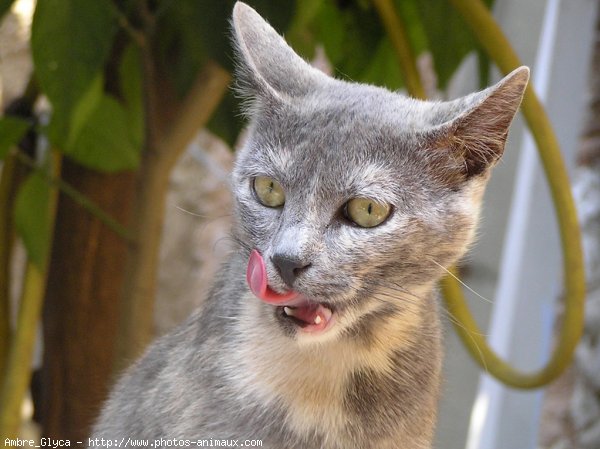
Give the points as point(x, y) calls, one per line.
point(493, 40)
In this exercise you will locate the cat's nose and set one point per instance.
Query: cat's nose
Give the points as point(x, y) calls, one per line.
point(289, 268)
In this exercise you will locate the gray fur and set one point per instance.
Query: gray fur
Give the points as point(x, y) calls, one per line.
point(235, 369)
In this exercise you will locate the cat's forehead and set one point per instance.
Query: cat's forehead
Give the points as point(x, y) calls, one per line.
point(359, 119)
point(361, 105)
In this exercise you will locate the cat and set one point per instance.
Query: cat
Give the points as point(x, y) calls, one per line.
point(322, 330)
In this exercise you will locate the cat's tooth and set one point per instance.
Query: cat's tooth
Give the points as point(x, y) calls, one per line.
point(288, 311)
point(318, 319)
point(327, 313)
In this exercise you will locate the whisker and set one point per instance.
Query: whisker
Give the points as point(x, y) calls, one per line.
point(189, 212)
point(447, 313)
point(195, 214)
point(462, 283)
point(232, 318)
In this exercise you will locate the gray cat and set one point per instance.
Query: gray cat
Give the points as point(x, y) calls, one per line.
point(322, 330)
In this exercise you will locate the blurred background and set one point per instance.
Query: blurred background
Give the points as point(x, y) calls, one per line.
point(117, 134)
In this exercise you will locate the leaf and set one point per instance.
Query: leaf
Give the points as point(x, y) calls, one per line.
point(300, 34)
point(484, 66)
point(448, 37)
point(106, 141)
point(383, 69)
point(4, 7)
point(181, 50)
point(331, 31)
point(363, 33)
point(71, 40)
point(32, 218)
point(409, 13)
point(193, 31)
point(12, 129)
point(84, 109)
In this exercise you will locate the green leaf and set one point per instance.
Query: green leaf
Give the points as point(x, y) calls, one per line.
point(448, 37)
point(417, 36)
point(383, 69)
point(4, 7)
point(32, 218)
point(181, 47)
point(70, 40)
point(107, 141)
point(301, 35)
point(362, 37)
point(84, 108)
point(12, 129)
point(331, 31)
point(484, 66)
point(193, 31)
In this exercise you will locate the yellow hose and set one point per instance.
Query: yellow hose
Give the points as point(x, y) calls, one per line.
point(493, 40)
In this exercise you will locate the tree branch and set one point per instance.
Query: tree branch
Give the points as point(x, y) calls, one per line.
point(197, 108)
point(399, 37)
point(137, 318)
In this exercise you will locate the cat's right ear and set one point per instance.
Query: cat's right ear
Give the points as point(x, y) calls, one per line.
point(267, 68)
point(476, 133)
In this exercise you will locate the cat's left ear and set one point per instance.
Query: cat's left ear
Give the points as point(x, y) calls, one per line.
point(477, 132)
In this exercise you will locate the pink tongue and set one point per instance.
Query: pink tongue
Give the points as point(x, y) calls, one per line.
point(256, 275)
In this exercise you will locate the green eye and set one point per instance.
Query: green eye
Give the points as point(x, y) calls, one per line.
point(366, 213)
point(269, 191)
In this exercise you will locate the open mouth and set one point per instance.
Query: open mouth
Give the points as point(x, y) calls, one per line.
point(308, 316)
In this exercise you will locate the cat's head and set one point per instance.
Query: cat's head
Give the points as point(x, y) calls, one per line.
point(353, 196)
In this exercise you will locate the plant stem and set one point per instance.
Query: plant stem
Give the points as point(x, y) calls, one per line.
point(136, 35)
point(10, 179)
point(204, 97)
point(491, 37)
point(399, 37)
point(164, 149)
point(18, 369)
point(6, 239)
point(78, 197)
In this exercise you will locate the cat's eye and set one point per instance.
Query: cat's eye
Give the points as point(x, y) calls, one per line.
point(268, 191)
point(366, 213)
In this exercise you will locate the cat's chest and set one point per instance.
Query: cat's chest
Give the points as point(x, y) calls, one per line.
point(316, 387)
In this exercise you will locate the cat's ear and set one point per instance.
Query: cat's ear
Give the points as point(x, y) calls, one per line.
point(266, 65)
point(477, 132)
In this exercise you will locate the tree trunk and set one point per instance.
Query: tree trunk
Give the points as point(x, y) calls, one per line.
point(81, 310)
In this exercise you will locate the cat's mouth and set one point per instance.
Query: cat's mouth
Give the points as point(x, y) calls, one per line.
point(291, 307)
point(308, 316)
